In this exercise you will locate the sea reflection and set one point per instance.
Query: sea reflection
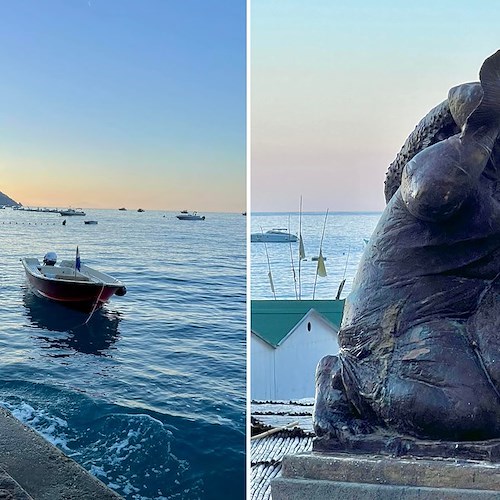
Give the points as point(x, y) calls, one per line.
point(69, 328)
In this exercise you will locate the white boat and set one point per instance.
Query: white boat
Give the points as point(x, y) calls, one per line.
point(71, 211)
point(277, 235)
point(190, 216)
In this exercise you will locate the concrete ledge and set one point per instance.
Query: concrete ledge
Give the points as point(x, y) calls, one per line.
point(318, 476)
point(42, 470)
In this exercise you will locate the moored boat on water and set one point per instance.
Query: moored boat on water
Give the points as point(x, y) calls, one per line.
point(71, 211)
point(190, 216)
point(278, 235)
point(71, 282)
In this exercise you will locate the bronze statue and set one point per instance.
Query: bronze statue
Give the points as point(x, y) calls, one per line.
point(420, 338)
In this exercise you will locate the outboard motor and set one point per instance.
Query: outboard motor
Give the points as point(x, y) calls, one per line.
point(50, 259)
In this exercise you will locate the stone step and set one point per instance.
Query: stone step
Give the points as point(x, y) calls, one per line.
point(325, 476)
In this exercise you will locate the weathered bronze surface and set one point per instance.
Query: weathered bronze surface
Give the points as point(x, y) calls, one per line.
point(420, 338)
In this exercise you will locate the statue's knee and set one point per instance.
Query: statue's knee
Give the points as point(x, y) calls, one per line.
point(326, 369)
point(327, 392)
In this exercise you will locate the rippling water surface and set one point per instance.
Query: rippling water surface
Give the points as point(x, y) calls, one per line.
point(342, 242)
point(149, 396)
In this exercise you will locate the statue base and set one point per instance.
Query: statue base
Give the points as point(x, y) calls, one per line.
point(355, 476)
point(398, 445)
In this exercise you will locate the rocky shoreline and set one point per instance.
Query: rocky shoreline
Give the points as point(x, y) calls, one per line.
point(8, 202)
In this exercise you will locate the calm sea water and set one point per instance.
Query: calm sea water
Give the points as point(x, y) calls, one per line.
point(149, 396)
point(341, 240)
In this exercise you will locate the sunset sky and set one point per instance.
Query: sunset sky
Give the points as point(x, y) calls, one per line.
point(110, 103)
point(337, 87)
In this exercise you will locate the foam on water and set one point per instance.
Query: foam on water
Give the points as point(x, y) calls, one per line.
point(131, 453)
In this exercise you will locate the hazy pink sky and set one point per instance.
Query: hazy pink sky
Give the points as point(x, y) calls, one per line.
point(337, 87)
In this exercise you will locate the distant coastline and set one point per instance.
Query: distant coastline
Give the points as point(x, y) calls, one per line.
point(8, 202)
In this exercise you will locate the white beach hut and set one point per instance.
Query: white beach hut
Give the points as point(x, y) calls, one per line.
point(288, 339)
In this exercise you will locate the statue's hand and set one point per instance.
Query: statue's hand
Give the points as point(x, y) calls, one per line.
point(434, 183)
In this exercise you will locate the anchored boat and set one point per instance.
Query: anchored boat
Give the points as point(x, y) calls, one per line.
point(71, 211)
point(190, 216)
point(274, 236)
point(71, 282)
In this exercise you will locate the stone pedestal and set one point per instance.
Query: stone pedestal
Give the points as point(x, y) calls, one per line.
point(318, 476)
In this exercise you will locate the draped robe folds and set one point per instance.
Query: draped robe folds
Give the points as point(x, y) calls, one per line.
point(420, 337)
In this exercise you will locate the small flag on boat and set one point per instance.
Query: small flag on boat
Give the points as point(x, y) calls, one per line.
point(77, 260)
point(321, 269)
point(302, 253)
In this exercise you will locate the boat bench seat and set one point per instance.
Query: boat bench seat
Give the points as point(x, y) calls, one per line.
point(61, 273)
point(71, 277)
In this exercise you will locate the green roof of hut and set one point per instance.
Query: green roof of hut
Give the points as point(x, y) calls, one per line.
point(273, 320)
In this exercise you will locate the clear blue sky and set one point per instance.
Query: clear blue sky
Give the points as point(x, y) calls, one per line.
point(337, 87)
point(124, 103)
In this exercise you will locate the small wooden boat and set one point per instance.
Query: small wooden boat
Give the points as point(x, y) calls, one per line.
point(83, 288)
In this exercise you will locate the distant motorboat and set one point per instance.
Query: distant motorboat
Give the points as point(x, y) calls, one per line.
point(90, 222)
point(140, 210)
point(278, 235)
point(184, 212)
point(122, 208)
point(190, 216)
point(71, 211)
point(85, 288)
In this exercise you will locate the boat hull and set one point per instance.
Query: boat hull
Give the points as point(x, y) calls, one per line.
point(272, 238)
point(65, 213)
point(190, 217)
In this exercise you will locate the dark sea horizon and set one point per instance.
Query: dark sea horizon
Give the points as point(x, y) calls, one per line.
point(149, 396)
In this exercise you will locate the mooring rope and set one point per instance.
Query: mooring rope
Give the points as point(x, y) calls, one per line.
point(95, 305)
